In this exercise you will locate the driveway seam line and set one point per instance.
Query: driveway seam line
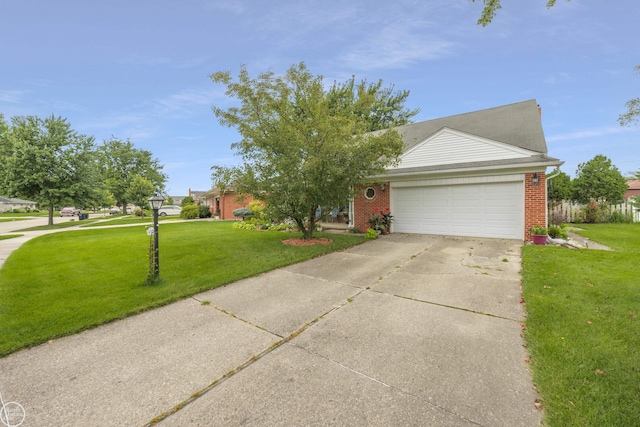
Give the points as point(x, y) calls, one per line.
point(199, 393)
point(449, 306)
point(405, 392)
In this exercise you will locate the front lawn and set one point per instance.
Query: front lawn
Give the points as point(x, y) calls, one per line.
point(12, 219)
point(129, 219)
point(9, 236)
point(582, 328)
point(61, 283)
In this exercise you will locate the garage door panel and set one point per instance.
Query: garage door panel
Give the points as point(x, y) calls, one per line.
point(473, 210)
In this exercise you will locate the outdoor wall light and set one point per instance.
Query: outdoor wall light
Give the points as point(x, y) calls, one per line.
point(534, 179)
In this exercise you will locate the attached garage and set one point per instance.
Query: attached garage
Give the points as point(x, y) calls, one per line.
point(474, 210)
point(478, 174)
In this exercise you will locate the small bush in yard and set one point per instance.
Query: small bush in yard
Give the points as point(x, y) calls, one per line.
point(203, 211)
point(371, 234)
point(557, 232)
point(190, 212)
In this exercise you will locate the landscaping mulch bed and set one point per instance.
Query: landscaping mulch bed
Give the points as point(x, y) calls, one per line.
point(307, 242)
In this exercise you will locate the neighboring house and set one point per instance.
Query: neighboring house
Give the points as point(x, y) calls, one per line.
point(197, 195)
point(634, 189)
point(223, 203)
point(177, 200)
point(479, 174)
point(8, 204)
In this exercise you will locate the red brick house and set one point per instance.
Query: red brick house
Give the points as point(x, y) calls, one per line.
point(634, 189)
point(479, 174)
point(223, 203)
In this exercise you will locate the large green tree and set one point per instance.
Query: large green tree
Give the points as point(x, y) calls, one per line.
point(139, 192)
point(122, 163)
point(300, 148)
point(560, 188)
point(598, 179)
point(46, 161)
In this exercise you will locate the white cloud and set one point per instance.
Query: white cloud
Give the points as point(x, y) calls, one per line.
point(587, 133)
point(13, 96)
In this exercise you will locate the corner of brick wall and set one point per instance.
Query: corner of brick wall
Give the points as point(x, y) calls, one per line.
point(363, 207)
point(535, 203)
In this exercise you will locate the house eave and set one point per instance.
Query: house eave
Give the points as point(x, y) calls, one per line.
point(469, 169)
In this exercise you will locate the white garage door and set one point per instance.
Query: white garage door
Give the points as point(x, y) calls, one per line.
point(475, 210)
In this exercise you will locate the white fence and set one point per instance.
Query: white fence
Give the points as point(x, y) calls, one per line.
point(574, 212)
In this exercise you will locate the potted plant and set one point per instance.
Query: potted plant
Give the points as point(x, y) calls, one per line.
point(539, 235)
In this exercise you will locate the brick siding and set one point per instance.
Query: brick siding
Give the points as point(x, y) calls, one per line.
point(535, 203)
point(363, 207)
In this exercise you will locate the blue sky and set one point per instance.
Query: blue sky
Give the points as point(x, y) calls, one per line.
point(140, 69)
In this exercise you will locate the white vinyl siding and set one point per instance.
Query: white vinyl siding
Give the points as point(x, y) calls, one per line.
point(493, 210)
point(450, 147)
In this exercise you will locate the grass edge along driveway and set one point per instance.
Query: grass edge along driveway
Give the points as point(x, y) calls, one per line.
point(65, 282)
point(582, 328)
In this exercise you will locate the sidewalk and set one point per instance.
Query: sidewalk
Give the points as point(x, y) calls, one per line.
point(405, 330)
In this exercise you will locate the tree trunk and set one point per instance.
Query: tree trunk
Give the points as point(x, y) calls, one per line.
point(311, 224)
point(51, 215)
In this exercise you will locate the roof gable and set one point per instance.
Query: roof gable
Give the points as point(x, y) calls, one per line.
point(517, 124)
point(449, 146)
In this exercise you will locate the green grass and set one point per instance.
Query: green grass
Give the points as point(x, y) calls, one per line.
point(61, 283)
point(582, 328)
point(9, 236)
point(33, 214)
point(12, 219)
point(123, 220)
point(66, 224)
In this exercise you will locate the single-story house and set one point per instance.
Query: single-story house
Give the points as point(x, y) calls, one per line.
point(8, 204)
point(634, 189)
point(479, 174)
point(223, 203)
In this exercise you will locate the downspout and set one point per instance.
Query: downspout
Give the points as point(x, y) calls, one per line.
point(546, 191)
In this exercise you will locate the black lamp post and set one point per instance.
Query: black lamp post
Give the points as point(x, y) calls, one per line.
point(155, 202)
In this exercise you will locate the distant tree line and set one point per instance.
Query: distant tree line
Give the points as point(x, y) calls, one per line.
point(45, 160)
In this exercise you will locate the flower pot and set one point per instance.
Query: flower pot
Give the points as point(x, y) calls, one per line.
point(539, 239)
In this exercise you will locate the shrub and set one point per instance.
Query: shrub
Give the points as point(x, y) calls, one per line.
point(142, 212)
point(557, 232)
point(241, 225)
point(618, 217)
point(371, 234)
point(203, 211)
point(19, 210)
point(257, 209)
point(190, 212)
point(242, 212)
point(280, 227)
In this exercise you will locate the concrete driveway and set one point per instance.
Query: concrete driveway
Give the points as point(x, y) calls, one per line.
point(405, 330)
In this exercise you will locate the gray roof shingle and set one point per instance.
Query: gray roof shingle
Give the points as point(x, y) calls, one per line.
point(516, 124)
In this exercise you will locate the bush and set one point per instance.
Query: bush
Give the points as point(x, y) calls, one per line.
point(241, 225)
point(557, 232)
point(19, 210)
point(142, 212)
point(557, 218)
point(257, 209)
point(618, 217)
point(242, 212)
point(371, 234)
point(204, 211)
point(190, 212)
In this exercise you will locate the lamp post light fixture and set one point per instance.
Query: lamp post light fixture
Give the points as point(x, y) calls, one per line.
point(155, 202)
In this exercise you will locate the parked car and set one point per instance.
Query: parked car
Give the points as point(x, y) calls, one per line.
point(114, 211)
point(169, 210)
point(69, 211)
